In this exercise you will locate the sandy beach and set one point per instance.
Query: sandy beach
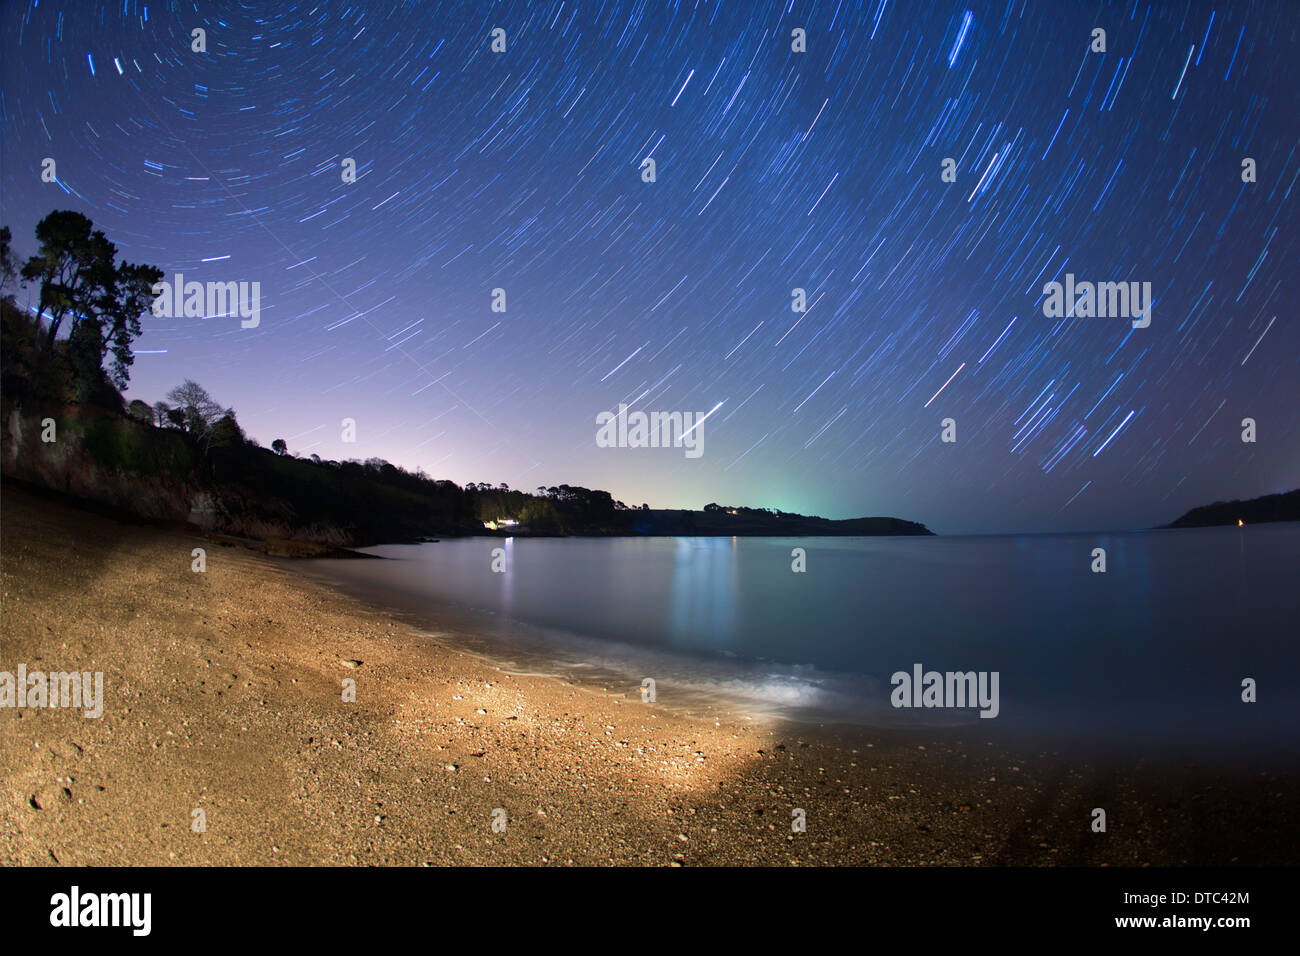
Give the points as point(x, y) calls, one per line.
point(223, 692)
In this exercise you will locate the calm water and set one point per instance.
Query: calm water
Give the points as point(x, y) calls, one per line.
point(1156, 648)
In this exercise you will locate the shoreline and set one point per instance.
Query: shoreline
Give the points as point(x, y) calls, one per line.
point(594, 652)
point(222, 693)
point(701, 699)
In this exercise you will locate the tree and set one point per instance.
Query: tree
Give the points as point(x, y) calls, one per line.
point(280, 448)
point(141, 411)
point(64, 264)
point(199, 415)
point(539, 514)
point(160, 410)
point(226, 432)
point(82, 283)
point(8, 264)
point(198, 411)
point(130, 297)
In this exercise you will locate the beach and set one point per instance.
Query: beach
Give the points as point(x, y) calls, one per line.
point(224, 692)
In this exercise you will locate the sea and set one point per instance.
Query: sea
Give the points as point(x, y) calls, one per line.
point(1187, 641)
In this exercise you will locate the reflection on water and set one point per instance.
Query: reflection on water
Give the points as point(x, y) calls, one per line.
point(704, 594)
point(1157, 645)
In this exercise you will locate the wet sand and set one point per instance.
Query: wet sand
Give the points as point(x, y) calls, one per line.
point(223, 692)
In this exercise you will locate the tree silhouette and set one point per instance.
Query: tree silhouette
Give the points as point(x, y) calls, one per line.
point(197, 409)
point(8, 265)
point(82, 283)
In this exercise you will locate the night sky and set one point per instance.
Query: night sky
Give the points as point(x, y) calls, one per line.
point(775, 170)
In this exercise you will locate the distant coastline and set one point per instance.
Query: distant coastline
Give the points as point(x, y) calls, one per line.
point(1269, 508)
point(738, 522)
point(216, 479)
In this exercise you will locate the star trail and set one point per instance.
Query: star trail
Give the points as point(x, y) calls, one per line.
point(921, 171)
